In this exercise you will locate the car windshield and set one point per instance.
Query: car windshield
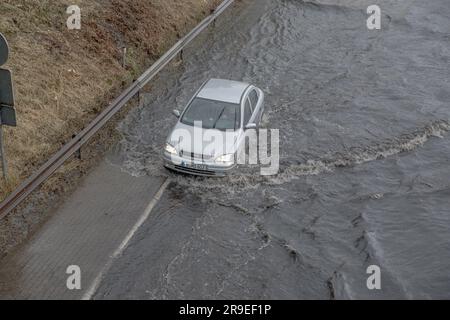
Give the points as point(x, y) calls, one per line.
point(213, 114)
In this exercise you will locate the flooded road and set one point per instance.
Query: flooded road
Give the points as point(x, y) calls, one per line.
point(364, 166)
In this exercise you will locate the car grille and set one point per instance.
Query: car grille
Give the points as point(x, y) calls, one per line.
point(192, 155)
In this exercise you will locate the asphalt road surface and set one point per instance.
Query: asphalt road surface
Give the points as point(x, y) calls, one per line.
point(364, 173)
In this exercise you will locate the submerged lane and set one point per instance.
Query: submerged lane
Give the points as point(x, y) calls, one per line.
point(364, 176)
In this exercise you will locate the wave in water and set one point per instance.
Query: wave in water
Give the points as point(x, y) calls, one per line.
point(404, 143)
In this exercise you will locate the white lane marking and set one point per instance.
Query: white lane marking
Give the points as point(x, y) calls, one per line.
point(94, 286)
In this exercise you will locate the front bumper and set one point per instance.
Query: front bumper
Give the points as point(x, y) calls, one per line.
point(196, 167)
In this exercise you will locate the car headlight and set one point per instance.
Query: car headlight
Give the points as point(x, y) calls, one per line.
point(170, 149)
point(226, 159)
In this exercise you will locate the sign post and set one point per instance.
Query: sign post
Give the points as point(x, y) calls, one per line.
point(7, 112)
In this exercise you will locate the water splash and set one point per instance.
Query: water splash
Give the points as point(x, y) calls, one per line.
point(404, 143)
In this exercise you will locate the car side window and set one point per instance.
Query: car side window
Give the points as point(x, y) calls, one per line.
point(247, 111)
point(254, 98)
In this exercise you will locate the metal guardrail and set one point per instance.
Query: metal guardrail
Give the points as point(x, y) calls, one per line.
point(56, 161)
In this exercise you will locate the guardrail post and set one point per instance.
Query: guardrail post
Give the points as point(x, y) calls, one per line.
point(124, 57)
point(213, 11)
point(78, 152)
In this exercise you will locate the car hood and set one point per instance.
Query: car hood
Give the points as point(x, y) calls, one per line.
point(207, 142)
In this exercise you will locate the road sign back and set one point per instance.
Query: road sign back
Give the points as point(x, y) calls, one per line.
point(8, 116)
point(6, 88)
point(4, 50)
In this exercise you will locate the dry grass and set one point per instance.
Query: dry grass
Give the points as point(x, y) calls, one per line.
point(63, 78)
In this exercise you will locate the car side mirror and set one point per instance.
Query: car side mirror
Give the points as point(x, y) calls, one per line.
point(176, 113)
point(250, 126)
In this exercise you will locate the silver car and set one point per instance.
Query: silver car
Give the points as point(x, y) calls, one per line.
point(211, 129)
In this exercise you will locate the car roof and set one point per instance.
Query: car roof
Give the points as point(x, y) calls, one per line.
point(223, 90)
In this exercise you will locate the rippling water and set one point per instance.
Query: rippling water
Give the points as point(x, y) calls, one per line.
point(365, 160)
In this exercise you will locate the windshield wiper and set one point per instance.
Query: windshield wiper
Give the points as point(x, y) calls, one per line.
point(220, 116)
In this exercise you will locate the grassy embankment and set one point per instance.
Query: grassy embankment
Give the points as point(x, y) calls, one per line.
point(64, 78)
